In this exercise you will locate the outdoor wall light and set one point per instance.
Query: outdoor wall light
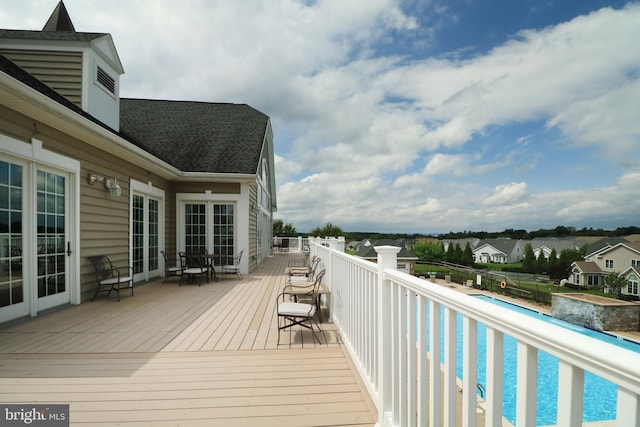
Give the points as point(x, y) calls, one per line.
point(111, 184)
point(113, 187)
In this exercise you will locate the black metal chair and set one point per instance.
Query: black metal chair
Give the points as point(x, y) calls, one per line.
point(109, 277)
point(298, 313)
point(193, 266)
point(171, 267)
point(235, 267)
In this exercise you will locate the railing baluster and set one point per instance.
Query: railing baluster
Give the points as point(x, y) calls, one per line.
point(495, 362)
point(527, 384)
point(469, 371)
point(450, 364)
point(571, 392)
point(412, 376)
point(435, 400)
point(422, 398)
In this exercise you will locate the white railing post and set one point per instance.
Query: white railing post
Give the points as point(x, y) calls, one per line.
point(387, 258)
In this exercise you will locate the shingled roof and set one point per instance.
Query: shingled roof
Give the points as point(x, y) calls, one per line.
point(196, 136)
point(50, 35)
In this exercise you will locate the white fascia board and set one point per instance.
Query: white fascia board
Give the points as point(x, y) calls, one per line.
point(218, 177)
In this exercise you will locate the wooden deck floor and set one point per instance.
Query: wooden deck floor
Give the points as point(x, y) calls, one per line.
point(186, 356)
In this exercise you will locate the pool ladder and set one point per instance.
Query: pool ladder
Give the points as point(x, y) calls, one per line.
point(481, 390)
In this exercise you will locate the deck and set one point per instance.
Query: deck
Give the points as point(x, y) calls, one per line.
point(184, 355)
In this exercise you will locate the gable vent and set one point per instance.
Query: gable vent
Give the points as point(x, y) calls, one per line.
point(106, 80)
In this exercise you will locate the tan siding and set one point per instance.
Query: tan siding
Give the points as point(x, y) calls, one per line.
point(104, 219)
point(62, 71)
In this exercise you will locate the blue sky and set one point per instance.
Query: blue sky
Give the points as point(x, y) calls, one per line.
point(406, 116)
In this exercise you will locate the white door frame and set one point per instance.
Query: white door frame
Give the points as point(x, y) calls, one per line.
point(33, 156)
point(148, 190)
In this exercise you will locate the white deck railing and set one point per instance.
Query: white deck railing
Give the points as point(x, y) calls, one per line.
point(381, 315)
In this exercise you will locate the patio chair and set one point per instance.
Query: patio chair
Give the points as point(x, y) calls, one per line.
point(303, 274)
point(308, 292)
point(235, 267)
point(193, 266)
point(300, 261)
point(110, 277)
point(297, 313)
point(171, 267)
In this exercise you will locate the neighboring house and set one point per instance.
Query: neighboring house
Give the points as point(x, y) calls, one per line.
point(406, 259)
point(622, 258)
point(546, 246)
point(451, 243)
point(84, 172)
point(502, 250)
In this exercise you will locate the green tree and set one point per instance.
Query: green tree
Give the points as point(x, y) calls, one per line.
point(529, 261)
point(615, 283)
point(277, 227)
point(280, 229)
point(541, 263)
point(329, 230)
point(289, 230)
point(429, 251)
point(467, 255)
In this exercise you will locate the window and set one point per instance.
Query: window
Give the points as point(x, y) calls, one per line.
point(632, 286)
point(105, 80)
point(593, 280)
point(608, 263)
point(195, 232)
point(576, 276)
point(635, 262)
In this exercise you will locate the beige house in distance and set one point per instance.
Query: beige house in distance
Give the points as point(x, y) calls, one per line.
point(85, 172)
point(623, 258)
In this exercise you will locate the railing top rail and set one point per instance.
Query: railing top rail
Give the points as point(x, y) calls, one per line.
point(604, 359)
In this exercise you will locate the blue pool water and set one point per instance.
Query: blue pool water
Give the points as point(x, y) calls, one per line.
point(599, 395)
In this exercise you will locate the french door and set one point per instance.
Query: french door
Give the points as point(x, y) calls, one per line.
point(38, 260)
point(53, 243)
point(210, 226)
point(147, 225)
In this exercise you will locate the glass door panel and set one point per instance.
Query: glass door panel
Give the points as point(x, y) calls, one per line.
point(223, 232)
point(11, 278)
point(51, 256)
point(195, 232)
point(145, 237)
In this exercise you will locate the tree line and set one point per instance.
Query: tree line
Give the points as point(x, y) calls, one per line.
point(556, 265)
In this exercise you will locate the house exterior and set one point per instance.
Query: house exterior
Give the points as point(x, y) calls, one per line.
point(502, 251)
point(546, 246)
point(622, 258)
point(406, 259)
point(84, 172)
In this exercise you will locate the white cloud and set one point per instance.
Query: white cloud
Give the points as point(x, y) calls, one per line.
point(515, 192)
point(389, 142)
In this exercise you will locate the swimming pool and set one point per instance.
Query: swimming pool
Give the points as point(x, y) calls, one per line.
point(599, 395)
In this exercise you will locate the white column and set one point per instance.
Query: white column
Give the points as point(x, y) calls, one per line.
point(387, 258)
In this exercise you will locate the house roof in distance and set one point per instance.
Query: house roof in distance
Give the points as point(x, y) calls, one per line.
point(197, 136)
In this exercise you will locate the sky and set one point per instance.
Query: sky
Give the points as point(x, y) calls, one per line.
point(405, 116)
